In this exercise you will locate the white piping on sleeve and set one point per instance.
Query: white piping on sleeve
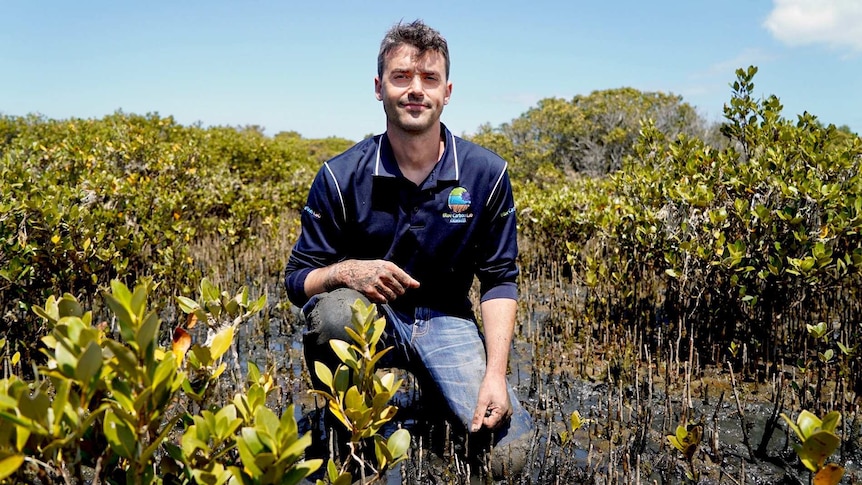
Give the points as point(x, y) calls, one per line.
point(497, 184)
point(338, 189)
point(455, 154)
point(377, 162)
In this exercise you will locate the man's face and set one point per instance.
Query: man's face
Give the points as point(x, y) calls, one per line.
point(413, 89)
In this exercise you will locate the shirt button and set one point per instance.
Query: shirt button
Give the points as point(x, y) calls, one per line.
point(415, 210)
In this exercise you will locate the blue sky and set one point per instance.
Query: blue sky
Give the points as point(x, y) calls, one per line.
point(309, 66)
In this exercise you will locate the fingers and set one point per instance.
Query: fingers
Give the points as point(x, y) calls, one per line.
point(479, 416)
point(402, 279)
point(381, 281)
point(495, 417)
point(488, 416)
point(493, 408)
point(390, 281)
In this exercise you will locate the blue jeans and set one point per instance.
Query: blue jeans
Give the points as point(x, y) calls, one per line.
point(446, 351)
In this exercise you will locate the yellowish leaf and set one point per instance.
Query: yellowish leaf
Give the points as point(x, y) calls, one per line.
point(830, 474)
point(181, 343)
point(191, 320)
point(10, 464)
point(221, 342)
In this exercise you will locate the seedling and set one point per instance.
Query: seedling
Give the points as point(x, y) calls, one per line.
point(817, 442)
point(358, 397)
point(686, 440)
point(575, 423)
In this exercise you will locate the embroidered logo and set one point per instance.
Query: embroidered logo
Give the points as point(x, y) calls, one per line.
point(311, 212)
point(459, 202)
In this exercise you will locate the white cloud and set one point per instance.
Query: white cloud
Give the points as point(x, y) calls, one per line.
point(837, 23)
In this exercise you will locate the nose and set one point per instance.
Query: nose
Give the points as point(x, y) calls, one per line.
point(416, 86)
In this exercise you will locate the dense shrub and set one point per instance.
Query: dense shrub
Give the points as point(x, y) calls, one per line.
point(86, 201)
point(746, 244)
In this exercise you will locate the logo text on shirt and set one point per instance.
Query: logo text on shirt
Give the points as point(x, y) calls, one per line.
point(459, 203)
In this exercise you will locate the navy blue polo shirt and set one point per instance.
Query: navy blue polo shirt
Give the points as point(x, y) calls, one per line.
point(458, 223)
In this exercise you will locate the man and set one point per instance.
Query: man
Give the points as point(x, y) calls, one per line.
point(406, 219)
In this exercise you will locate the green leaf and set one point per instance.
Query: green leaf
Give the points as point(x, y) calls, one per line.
point(139, 300)
point(187, 305)
point(66, 361)
point(69, 307)
point(34, 407)
point(382, 453)
point(342, 350)
point(830, 421)
point(379, 326)
point(221, 342)
point(398, 443)
point(323, 373)
point(257, 305)
point(209, 292)
point(10, 464)
point(121, 292)
point(819, 446)
point(252, 439)
point(191, 442)
point(808, 423)
point(124, 316)
point(341, 379)
point(24, 422)
point(576, 421)
point(231, 307)
point(58, 405)
point(126, 359)
point(249, 447)
point(253, 372)
point(89, 363)
point(165, 372)
point(120, 435)
point(148, 332)
point(300, 471)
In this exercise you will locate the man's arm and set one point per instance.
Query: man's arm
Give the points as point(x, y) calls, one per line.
point(379, 280)
point(493, 407)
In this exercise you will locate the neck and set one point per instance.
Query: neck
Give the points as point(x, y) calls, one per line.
point(416, 154)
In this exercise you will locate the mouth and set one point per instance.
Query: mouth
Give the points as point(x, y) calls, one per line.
point(414, 106)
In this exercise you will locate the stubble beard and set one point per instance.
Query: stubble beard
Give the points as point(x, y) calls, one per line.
point(403, 120)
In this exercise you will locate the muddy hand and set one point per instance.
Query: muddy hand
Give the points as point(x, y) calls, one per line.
point(493, 408)
point(379, 280)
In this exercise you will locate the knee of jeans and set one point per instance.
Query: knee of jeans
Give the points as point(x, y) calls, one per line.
point(330, 314)
point(520, 425)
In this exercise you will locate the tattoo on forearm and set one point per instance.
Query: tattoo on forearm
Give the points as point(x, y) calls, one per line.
point(349, 273)
point(331, 281)
point(357, 278)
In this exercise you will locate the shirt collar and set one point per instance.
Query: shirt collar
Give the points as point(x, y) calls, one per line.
point(447, 169)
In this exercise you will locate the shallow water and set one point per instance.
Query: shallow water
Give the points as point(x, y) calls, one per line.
point(623, 442)
point(632, 400)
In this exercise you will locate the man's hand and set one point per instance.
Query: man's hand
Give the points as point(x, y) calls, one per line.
point(493, 408)
point(381, 281)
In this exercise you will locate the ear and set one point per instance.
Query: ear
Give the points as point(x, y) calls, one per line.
point(378, 89)
point(448, 93)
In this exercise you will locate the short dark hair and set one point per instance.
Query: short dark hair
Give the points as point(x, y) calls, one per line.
point(416, 34)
